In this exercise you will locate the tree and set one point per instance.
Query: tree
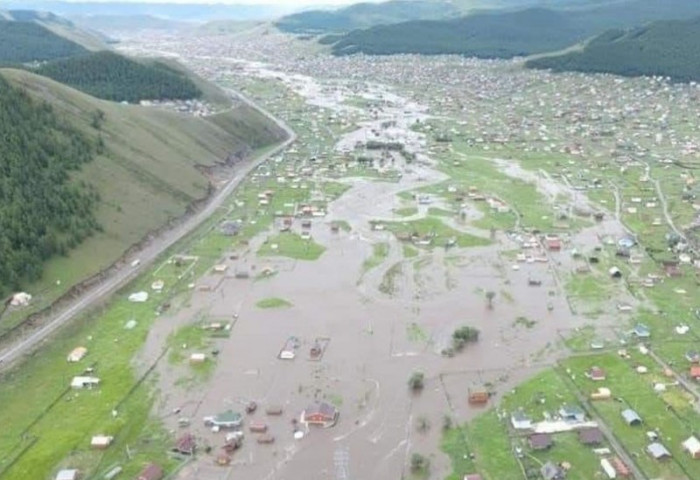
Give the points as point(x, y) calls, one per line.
point(416, 381)
point(446, 422)
point(422, 424)
point(490, 295)
point(419, 463)
point(464, 335)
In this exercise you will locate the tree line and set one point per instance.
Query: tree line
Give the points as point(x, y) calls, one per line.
point(22, 42)
point(111, 76)
point(668, 48)
point(42, 211)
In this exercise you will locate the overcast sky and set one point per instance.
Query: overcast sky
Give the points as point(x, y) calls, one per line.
point(243, 2)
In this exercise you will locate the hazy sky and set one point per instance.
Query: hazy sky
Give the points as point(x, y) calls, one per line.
point(244, 2)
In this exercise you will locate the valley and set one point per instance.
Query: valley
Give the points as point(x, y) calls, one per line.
point(451, 268)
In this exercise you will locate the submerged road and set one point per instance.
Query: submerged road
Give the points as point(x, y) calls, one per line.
point(147, 255)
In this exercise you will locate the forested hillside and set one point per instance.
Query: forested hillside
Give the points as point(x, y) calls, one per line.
point(22, 42)
point(662, 48)
point(505, 34)
point(363, 15)
point(42, 213)
point(114, 77)
point(493, 35)
point(150, 167)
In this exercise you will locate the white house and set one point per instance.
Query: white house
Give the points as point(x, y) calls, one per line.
point(608, 468)
point(692, 446)
point(84, 382)
point(520, 421)
point(68, 474)
point(101, 441)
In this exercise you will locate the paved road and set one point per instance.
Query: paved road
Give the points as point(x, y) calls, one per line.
point(146, 255)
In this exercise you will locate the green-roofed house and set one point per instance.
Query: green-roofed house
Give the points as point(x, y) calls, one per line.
point(227, 419)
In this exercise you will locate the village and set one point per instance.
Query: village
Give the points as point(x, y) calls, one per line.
point(461, 269)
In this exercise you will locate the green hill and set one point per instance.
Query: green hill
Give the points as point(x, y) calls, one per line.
point(492, 34)
point(150, 169)
point(62, 27)
point(505, 34)
point(22, 42)
point(111, 76)
point(363, 15)
point(668, 48)
point(41, 212)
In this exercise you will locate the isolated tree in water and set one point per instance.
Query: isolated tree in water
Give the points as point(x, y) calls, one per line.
point(490, 295)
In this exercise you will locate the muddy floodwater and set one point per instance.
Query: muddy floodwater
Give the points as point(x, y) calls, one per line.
point(373, 341)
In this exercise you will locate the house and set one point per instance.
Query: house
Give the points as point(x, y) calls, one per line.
point(478, 397)
point(197, 358)
point(552, 242)
point(620, 467)
point(658, 451)
point(84, 382)
point(151, 472)
point(672, 270)
point(692, 356)
point(596, 374)
point(572, 413)
point(186, 444)
point(615, 272)
point(320, 413)
point(68, 474)
point(258, 427)
point(590, 436)
point(473, 476)
point(273, 410)
point(540, 441)
point(227, 419)
point(607, 467)
point(230, 228)
point(19, 299)
point(550, 471)
point(692, 446)
point(631, 417)
point(641, 331)
point(520, 421)
point(626, 242)
point(601, 394)
point(101, 442)
point(77, 354)
point(695, 372)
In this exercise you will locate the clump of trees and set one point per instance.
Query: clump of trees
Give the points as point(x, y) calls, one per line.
point(416, 381)
point(115, 77)
point(22, 42)
point(666, 48)
point(464, 335)
point(42, 212)
point(420, 464)
point(490, 295)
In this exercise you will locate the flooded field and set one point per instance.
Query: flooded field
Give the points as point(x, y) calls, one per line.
point(381, 323)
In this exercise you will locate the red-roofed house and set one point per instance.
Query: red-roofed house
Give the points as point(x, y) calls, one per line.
point(596, 374)
point(695, 372)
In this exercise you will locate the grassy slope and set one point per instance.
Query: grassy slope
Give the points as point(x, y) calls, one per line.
point(146, 179)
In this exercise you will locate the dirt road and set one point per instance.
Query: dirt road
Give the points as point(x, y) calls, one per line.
point(146, 255)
